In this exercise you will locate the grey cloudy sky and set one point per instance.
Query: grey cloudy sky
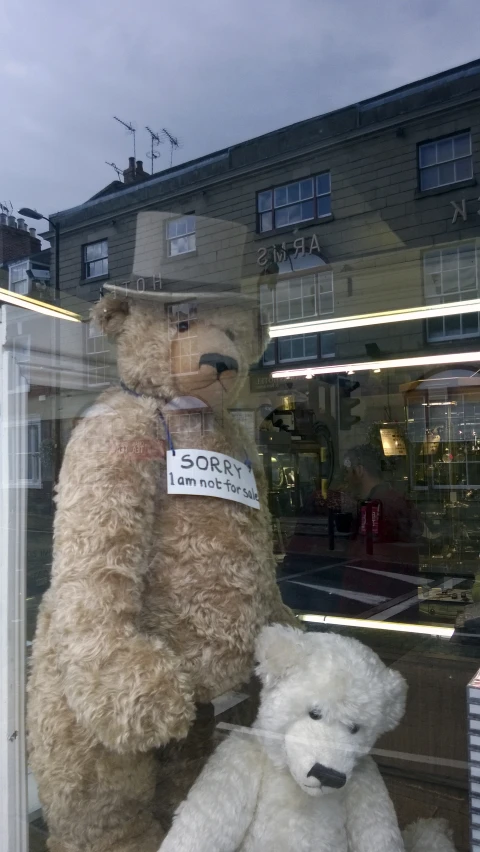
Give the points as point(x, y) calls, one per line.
point(214, 72)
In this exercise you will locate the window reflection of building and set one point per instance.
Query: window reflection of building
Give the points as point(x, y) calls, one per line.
point(443, 420)
point(451, 274)
point(297, 456)
point(303, 290)
point(302, 201)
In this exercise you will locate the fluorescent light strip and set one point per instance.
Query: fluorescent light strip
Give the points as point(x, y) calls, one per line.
point(394, 626)
point(39, 307)
point(420, 361)
point(422, 312)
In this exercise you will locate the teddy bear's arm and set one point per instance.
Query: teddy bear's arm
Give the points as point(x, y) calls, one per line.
point(372, 824)
point(221, 804)
point(123, 686)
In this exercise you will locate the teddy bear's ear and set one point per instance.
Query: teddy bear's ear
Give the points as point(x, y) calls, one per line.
point(395, 700)
point(278, 650)
point(110, 313)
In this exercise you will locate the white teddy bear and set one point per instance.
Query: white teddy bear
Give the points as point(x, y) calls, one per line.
point(301, 779)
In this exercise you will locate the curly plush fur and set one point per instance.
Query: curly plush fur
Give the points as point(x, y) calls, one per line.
point(301, 778)
point(155, 600)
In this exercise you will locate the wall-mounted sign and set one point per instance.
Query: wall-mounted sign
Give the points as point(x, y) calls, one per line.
point(300, 247)
point(143, 284)
point(262, 382)
point(393, 443)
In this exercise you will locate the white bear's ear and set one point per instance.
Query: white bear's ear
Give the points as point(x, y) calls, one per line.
point(395, 700)
point(109, 314)
point(278, 650)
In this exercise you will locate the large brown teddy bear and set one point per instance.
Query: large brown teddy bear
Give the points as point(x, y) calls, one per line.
point(155, 600)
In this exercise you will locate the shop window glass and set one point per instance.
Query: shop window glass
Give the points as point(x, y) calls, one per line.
point(357, 430)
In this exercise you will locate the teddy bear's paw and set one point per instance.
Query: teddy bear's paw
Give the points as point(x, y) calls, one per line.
point(168, 715)
point(147, 718)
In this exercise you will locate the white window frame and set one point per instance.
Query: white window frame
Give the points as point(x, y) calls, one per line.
point(302, 192)
point(328, 352)
point(431, 157)
point(182, 228)
point(97, 349)
point(436, 268)
point(274, 345)
point(23, 265)
point(13, 763)
point(182, 317)
point(323, 288)
point(102, 259)
point(290, 339)
point(296, 292)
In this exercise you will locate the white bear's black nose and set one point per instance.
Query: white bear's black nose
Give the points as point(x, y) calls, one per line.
point(220, 363)
point(328, 777)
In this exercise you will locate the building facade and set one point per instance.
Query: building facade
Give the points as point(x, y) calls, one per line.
point(372, 208)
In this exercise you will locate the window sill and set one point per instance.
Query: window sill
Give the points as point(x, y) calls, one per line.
point(453, 341)
point(174, 257)
point(441, 190)
point(97, 279)
point(291, 229)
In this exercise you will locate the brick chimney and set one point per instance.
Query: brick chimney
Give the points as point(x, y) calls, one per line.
point(129, 174)
point(16, 241)
point(135, 172)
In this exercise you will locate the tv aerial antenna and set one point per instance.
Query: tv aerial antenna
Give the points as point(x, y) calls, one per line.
point(131, 129)
point(155, 141)
point(174, 141)
point(118, 171)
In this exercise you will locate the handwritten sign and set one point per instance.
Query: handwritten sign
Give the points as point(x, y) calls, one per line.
point(208, 474)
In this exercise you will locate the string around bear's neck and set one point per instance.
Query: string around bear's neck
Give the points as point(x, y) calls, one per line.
point(125, 388)
point(132, 392)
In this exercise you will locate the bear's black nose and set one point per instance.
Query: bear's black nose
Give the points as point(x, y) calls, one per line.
point(220, 363)
point(328, 777)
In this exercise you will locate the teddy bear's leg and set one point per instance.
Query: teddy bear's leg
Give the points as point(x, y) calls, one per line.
point(140, 836)
point(55, 845)
point(110, 832)
point(147, 840)
point(99, 800)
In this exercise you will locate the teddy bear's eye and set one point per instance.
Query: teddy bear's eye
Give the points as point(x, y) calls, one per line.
point(315, 714)
point(183, 326)
point(354, 729)
point(230, 334)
